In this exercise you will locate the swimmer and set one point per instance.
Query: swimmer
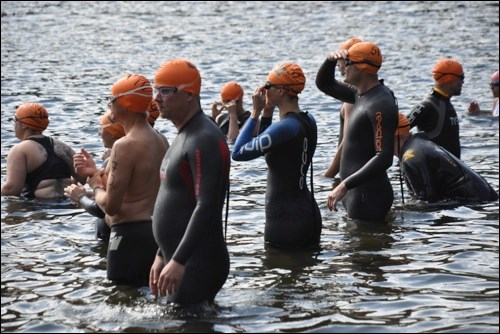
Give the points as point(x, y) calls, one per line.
point(474, 108)
point(293, 219)
point(39, 166)
point(110, 131)
point(434, 174)
point(231, 100)
point(345, 112)
point(126, 190)
point(367, 153)
point(435, 115)
point(192, 262)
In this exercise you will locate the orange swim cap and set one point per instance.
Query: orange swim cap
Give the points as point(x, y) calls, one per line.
point(153, 112)
point(114, 129)
point(368, 55)
point(133, 92)
point(447, 70)
point(290, 75)
point(231, 91)
point(403, 126)
point(350, 42)
point(180, 73)
point(33, 115)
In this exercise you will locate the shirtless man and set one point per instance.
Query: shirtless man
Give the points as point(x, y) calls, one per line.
point(39, 166)
point(368, 145)
point(192, 262)
point(126, 190)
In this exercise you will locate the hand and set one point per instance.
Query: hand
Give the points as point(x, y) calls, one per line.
point(154, 273)
point(336, 55)
point(259, 101)
point(474, 107)
point(170, 278)
point(336, 195)
point(217, 108)
point(74, 191)
point(84, 163)
point(231, 107)
point(98, 179)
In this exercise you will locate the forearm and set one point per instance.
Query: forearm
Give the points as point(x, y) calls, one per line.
point(90, 206)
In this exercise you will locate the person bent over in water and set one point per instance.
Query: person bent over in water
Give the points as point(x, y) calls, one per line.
point(434, 174)
point(126, 190)
point(192, 262)
point(293, 218)
point(39, 166)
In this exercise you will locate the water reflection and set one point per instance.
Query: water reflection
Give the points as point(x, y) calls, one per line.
point(428, 268)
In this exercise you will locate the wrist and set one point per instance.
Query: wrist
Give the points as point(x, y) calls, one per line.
point(96, 188)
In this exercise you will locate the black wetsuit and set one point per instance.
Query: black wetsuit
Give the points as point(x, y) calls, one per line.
point(187, 219)
point(368, 145)
point(53, 168)
point(437, 117)
point(131, 252)
point(223, 121)
point(293, 219)
point(433, 174)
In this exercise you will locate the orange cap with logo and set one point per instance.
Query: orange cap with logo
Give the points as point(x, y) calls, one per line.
point(366, 56)
point(33, 115)
point(447, 70)
point(290, 75)
point(231, 91)
point(153, 112)
point(403, 126)
point(350, 42)
point(114, 129)
point(180, 73)
point(133, 92)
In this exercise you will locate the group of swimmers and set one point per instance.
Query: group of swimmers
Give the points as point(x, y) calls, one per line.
point(164, 203)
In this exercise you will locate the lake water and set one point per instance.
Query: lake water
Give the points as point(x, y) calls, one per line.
point(431, 268)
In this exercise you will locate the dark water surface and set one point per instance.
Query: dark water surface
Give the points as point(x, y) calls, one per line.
point(431, 268)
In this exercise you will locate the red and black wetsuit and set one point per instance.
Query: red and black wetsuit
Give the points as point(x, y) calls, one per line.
point(187, 218)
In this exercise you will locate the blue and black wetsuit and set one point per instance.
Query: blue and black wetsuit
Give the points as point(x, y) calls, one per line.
point(437, 117)
point(293, 219)
point(187, 218)
point(368, 145)
point(433, 174)
point(53, 168)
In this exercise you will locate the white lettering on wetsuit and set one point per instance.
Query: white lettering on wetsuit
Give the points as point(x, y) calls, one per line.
point(303, 169)
point(261, 144)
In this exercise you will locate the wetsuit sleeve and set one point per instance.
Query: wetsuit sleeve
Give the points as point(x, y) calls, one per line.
point(248, 147)
point(421, 115)
point(90, 206)
point(209, 162)
point(326, 82)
